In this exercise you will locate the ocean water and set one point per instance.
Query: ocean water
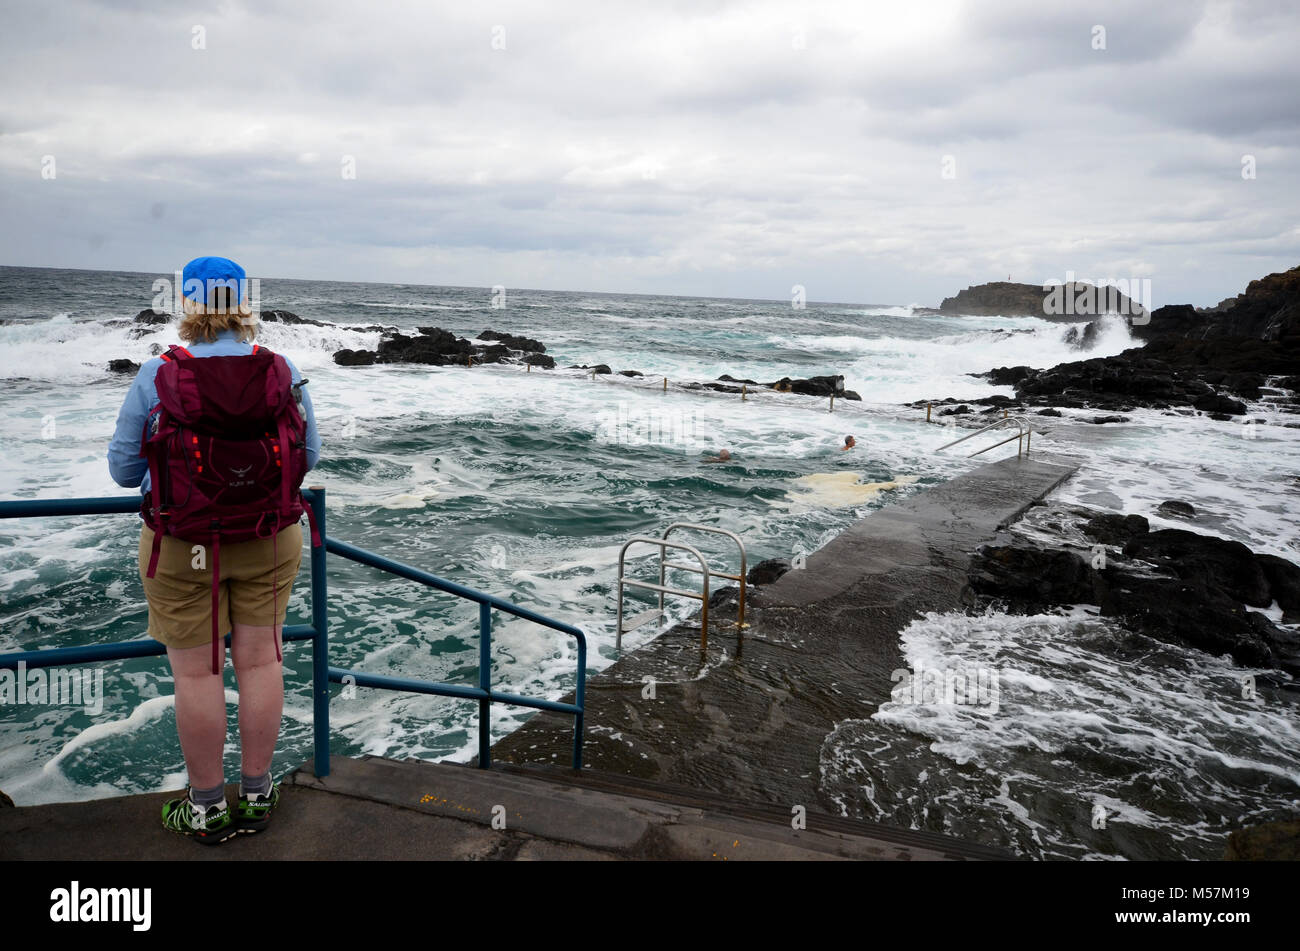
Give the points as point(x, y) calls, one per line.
point(525, 484)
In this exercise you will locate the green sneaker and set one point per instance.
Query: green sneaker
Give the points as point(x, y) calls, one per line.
point(211, 825)
point(254, 812)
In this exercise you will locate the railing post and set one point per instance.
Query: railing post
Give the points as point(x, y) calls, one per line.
point(485, 683)
point(580, 696)
point(320, 681)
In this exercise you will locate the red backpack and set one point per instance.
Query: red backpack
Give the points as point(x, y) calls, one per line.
point(226, 445)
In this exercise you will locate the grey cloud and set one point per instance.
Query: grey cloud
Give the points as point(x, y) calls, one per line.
point(681, 148)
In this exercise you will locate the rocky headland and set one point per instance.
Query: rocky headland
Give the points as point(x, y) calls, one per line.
point(1210, 360)
point(1066, 302)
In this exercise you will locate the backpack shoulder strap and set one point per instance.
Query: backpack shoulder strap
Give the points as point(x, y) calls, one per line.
point(176, 352)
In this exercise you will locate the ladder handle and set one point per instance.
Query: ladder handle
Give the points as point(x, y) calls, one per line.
point(1022, 424)
point(662, 543)
point(693, 526)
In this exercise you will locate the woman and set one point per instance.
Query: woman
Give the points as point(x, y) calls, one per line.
point(249, 594)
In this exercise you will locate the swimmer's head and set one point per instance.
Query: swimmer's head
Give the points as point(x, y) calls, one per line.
point(849, 442)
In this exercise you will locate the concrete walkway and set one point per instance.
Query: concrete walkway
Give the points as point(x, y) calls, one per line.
point(749, 718)
point(375, 808)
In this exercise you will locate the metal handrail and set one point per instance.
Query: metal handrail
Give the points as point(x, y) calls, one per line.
point(740, 615)
point(1025, 432)
point(317, 632)
point(663, 543)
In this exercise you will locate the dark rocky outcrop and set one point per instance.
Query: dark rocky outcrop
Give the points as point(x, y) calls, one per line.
point(1111, 528)
point(1030, 578)
point(123, 366)
point(354, 358)
point(1283, 584)
point(630, 373)
point(1201, 616)
point(961, 407)
point(288, 317)
point(1171, 585)
point(1176, 509)
point(435, 346)
point(151, 316)
point(1210, 359)
point(525, 344)
point(767, 571)
point(728, 597)
point(1006, 376)
point(814, 386)
point(5, 801)
point(1119, 383)
point(1217, 403)
point(1268, 842)
point(1219, 562)
point(1267, 310)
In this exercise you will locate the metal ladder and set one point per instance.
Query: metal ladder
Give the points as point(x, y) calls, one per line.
point(663, 544)
point(1024, 434)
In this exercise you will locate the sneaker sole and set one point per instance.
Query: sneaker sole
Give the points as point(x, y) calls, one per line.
point(252, 826)
point(216, 838)
point(209, 838)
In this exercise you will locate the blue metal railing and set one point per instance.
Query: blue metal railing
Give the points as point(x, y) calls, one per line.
point(318, 632)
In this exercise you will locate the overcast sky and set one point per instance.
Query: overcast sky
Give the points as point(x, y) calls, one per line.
point(711, 148)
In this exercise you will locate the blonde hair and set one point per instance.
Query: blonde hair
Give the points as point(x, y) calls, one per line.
point(201, 323)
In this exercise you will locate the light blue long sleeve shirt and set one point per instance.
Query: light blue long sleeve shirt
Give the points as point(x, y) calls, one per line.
point(125, 463)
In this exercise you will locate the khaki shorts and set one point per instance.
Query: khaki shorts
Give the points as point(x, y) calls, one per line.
point(180, 594)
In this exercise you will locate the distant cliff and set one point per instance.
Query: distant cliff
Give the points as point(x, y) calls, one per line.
point(1065, 302)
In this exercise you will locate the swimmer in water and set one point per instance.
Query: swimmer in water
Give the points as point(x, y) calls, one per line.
point(724, 455)
point(849, 443)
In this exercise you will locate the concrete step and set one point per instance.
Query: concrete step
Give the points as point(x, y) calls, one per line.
point(610, 815)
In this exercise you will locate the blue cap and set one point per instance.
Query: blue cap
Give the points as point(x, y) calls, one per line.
point(204, 275)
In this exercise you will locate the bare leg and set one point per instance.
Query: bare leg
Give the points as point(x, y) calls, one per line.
point(200, 714)
point(261, 694)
